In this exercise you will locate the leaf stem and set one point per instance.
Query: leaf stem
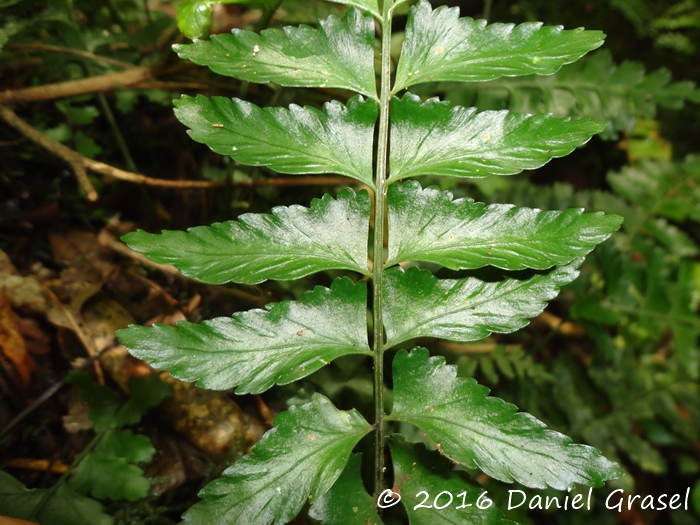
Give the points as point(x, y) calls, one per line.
point(487, 9)
point(378, 254)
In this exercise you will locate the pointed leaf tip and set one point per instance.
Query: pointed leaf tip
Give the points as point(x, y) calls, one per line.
point(291, 243)
point(294, 463)
point(440, 46)
point(289, 340)
point(487, 433)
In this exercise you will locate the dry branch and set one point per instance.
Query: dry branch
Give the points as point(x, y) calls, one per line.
point(79, 163)
point(106, 239)
point(96, 84)
point(69, 51)
point(41, 465)
point(73, 158)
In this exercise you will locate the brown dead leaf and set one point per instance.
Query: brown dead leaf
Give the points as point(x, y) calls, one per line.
point(103, 316)
point(29, 296)
point(12, 343)
point(143, 298)
point(37, 340)
point(78, 417)
point(88, 265)
point(81, 251)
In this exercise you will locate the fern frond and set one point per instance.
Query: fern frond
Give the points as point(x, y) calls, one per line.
point(594, 87)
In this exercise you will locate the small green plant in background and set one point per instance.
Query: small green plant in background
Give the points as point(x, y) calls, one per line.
point(194, 16)
point(594, 87)
point(105, 469)
point(389, 244)
point(670, 26)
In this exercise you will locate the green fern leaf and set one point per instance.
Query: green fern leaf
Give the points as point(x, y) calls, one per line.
point(296, 141)
point(418, 304)
point(257, 349)
point(452, 498)
point(347, 502)
point(440, 46)
point(292, 242)
point(339, 54)
point(428, 225)
point(295, 462)
point(487, 433)
point(433, 138)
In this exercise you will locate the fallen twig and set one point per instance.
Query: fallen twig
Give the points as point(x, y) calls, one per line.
point(47, 394)
point(16, 142)
point(106, 239)
point(80, 164)
point(483, 348)
point(73, 158)
point(41, 465)
point(564, 327)
point(70, 51)
point(96, 84)
point(172, 85)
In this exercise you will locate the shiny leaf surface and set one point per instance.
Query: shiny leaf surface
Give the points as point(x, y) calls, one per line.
point(441, 46)
point(294, 463)
point(418, 304)
point(291, 243)
point(434, 138)
point(257, 349)
point(452, 497)
point(296, 140)
point(429, 225)
point(486, 432)
point(347, 502)
point(339, 54)
point(194, 16)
